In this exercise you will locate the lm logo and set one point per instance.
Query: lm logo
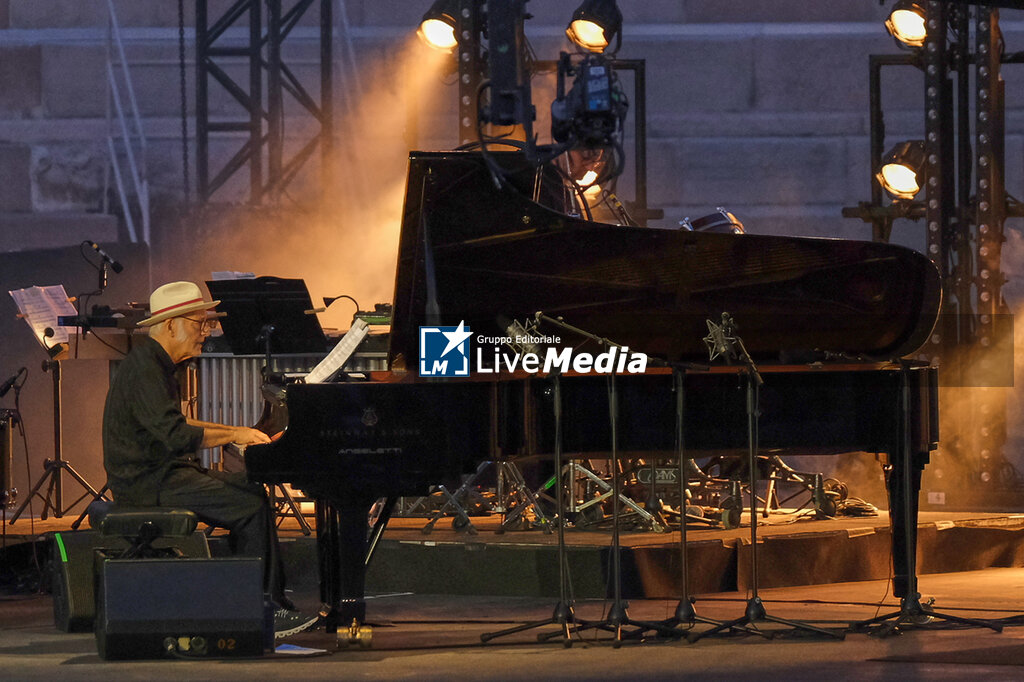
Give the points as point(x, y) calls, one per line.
point(444, 351)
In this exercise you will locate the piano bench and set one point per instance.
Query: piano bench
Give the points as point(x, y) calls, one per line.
point(141, 524)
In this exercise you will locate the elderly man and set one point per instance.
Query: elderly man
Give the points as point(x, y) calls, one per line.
point(149, 446)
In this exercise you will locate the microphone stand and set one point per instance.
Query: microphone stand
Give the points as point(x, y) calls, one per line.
point(732, 346)
point(685, 613)
point(618, 616)
point(563, 614)
point(266, 336)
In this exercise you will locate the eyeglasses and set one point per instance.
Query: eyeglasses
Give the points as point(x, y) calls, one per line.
point(205, 324)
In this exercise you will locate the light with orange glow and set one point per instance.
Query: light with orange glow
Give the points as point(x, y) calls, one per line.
point(594, 24)
point(438, 26)
point(906, 23)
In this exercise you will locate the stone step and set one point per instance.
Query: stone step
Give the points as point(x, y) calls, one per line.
point(27, 14)
point(751, 68)
point(35, 231)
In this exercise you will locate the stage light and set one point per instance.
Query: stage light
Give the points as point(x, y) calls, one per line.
point(906, 23)
point(588, 183)
point(437, 28)
point(900, 171)
point(594, 24)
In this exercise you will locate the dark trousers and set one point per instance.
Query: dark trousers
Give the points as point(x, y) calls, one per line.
point(228, 500)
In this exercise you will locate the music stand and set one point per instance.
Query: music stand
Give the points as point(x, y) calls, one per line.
point(53, 500)
point(268, 314)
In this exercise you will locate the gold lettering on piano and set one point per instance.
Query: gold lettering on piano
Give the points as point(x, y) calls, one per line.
point(370, 451)
point(355, 433)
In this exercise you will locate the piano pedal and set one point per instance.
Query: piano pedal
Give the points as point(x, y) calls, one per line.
point(355, 634)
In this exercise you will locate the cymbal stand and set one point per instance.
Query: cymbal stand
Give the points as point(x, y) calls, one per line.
point(563, 615)
point(905, 481)
point(54, 498)
point(730, 346)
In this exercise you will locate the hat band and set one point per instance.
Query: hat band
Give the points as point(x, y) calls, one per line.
point(176, 305)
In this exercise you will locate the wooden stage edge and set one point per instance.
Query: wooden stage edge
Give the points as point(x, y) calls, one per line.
point(793, 550)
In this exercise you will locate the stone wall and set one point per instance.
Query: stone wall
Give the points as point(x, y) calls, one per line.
point(760, 106)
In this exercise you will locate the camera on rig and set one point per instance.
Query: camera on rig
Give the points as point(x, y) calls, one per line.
point(592, 112)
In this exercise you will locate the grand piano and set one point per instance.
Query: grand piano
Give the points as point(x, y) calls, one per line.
point(487, 241)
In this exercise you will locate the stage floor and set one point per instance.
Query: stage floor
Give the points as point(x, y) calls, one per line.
point(435, 633)
point(794, 549)
point(429, 637)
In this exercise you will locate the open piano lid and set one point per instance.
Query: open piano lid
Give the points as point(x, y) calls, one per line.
point(488, 255)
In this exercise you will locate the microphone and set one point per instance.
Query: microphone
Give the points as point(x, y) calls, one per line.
point(114, 265)
point(718, 341)
point(7, 385)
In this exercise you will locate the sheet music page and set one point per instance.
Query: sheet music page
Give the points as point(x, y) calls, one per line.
point(231, 274)
point(340, 354)
point(40, 306)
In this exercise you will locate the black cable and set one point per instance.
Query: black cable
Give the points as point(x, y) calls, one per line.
point(184, 102)
point(29, 479)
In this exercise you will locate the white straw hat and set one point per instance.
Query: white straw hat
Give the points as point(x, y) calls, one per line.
point(173, 300)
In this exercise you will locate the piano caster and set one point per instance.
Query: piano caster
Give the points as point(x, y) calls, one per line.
point(355, 634)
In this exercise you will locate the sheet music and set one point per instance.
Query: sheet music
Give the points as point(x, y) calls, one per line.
point(40, 306)
point(340, 354)
point(231, 274)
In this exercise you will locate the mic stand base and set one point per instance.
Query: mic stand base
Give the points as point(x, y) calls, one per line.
point(51, 476)
point(563, 616)
point(756, 613)
point(913, 614)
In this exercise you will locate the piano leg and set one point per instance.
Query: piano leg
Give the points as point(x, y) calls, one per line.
point(903, 482)
point(904, 540)
point(341, 549)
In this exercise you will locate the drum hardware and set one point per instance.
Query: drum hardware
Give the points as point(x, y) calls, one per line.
point(285, 505)
point(822, 499)
point(513, 499)
point(591, 511)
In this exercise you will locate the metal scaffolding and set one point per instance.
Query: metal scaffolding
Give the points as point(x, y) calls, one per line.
point(252, 33)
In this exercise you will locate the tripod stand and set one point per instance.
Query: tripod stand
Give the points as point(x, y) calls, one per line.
point(685, 613)
point(723, 341)
point(904, 483)
point(54, 498)
point(618, 616)
point(563, 615)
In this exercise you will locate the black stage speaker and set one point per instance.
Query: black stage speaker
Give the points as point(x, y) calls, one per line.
point(71, 563)
point(185, 608)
